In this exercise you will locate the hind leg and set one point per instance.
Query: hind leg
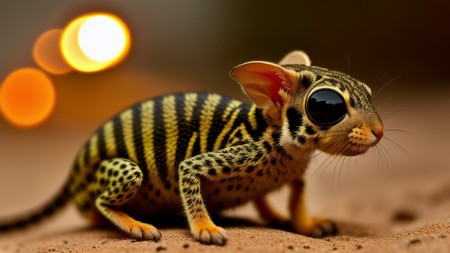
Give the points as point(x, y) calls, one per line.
point(121, 179)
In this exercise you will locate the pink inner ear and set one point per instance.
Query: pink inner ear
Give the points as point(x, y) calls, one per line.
point(277, 84)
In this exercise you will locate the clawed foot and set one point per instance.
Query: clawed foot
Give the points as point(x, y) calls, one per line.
point(210, 234)
point(320, 228)
point(142, 231)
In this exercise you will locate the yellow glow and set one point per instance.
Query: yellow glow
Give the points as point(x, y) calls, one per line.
point(94, 42)
point(27, 97)
point(47, 55)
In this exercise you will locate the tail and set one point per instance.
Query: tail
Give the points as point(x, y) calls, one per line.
point(56, 204)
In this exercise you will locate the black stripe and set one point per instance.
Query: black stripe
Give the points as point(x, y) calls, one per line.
point(184, 132)
point(118, 138)
point(137, 139)
point(159, 140)
point(242, 117)
point(201, 98)
point(101, 144)
point(261, 124)
point(217, 124)
point(295, 120)
point(87, 155)
point(196, 147)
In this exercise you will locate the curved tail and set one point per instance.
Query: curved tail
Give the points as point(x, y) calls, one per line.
point(56, 204)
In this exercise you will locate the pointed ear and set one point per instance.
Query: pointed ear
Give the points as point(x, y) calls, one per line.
point(296, 57)
point(262, 82)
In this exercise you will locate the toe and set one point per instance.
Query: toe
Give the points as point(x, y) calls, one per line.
point(323, 228)
point(145, 232)
point(211, 235)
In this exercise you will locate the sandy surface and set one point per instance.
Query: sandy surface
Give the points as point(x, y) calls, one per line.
point(412, 218)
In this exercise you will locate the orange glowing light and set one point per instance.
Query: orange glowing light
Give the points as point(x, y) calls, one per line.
point(94, 42)
point(27, 97)
point(47, 55)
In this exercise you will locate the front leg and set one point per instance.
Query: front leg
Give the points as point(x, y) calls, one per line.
point(228, 162)
point(301, 221)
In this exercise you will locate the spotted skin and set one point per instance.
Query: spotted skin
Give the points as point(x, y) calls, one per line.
point(198, 153)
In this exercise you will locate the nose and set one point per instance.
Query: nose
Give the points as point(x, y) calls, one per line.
point(378, 133)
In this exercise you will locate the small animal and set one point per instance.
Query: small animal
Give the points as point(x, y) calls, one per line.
point(194, 154)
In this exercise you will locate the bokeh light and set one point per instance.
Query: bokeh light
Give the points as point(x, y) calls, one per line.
point(47, 55)
point(94, 42)
point(27, 97)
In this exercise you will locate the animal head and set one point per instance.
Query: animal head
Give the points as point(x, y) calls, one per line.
point(315, 108)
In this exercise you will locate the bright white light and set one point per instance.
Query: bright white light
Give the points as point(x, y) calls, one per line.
point(102, 38)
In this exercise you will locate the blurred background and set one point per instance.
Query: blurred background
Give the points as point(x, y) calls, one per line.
point(399, 48)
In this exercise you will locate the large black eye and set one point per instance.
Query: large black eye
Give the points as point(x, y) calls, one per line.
point(326, 107)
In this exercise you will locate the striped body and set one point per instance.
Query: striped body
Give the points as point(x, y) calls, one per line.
point(160, 133)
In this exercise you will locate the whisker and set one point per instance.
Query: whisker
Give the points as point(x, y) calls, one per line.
point(399, 131)
point(399, 146)
point(329, 159)
point(385, 85)
point(397, 112)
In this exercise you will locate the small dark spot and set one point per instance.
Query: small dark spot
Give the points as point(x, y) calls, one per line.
point(121, 179)
point(110, 172)
point(134, 240)
point(158, 193)
point(120, 196)
point(103, 169)
point(306, 247)
point(65, 242)
point(150, 187)
point(335, 248)
point(414, 241)
point(310, 130)
point(230, 188)
point(260, 173)
point(125, 172)
point(359, 246)
point(208, 163)
point(216, 191)
point(306, 81)
point(442, 236)
point(123, 166)
point(404, 216)
point(116, 162)
point(267, 146)
point(160, 248)
point(301, 139)
point(247, 188)
point(186, 245)
point(167, 185)
point(238, 187)
point(197, 166)
point(212, 172)
point(352, 102)
point(226, 169)
point(250, 168)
